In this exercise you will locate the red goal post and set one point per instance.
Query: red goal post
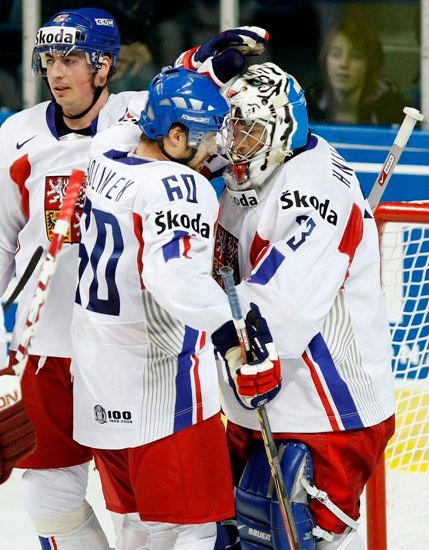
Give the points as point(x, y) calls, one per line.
point(398, 492)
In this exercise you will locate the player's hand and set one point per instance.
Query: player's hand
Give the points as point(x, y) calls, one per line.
point(17, 437)
point(224, 55)
point(258, 381)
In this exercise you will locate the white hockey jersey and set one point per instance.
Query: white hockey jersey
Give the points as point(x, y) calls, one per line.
point(146, 303)
point(309, 251)
point(35, 164)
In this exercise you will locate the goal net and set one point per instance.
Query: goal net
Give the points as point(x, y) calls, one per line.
point(398, 494)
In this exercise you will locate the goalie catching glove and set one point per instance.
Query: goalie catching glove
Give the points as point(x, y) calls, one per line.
point(256, 382)
point(17, 437)
point(223, 56)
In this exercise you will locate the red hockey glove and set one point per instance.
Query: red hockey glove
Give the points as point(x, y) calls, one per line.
point(224, 55)
point(256, 382)
point(17, 437)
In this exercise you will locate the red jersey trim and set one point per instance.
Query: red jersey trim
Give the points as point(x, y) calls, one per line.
point(20, 172)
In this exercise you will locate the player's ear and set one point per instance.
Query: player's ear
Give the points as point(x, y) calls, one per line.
point(177, 135)
point(103, 72)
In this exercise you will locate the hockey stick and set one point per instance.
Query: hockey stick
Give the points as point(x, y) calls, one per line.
point(267, 436)
point(411, 117)
point(32, 264)
point(48, 269)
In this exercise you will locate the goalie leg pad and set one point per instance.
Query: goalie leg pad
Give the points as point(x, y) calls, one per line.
point(259, 518)
point(227, 535)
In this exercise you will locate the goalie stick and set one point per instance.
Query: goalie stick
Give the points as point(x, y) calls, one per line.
point(405, 130)
point(227, 274)
point(31, 266)
point(60, 231)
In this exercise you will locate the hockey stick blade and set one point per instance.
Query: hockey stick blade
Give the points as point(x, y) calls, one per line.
point(412, 116)
point(29, 270)
point(227, 274)
point(60, 232)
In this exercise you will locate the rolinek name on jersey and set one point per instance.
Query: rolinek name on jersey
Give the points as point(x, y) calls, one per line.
point(167, 220)
point(289, 199)
point(67, 35)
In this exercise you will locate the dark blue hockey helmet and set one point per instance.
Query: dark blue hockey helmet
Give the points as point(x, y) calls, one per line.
point(90, 30)
point(186, 97)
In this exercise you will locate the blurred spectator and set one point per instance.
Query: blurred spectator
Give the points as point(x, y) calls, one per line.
point(294, 34)
point(351, 88)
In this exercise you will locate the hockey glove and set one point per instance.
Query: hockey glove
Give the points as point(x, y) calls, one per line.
point(224, 55)
point(17, 437)
point(258, 381)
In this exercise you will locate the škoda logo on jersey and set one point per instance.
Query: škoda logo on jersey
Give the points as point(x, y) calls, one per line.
point(304, 199)
point(55, 190)
point(170, 220)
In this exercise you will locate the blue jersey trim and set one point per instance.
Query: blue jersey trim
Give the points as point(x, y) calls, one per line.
point(338, 388)
point(268, 268)
point(124, 158)
point(184, 406)
point(171, 249)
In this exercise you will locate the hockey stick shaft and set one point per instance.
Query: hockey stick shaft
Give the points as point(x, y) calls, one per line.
point(48, 269)
point(411, 117)
point(31, 266)
point(267, 436)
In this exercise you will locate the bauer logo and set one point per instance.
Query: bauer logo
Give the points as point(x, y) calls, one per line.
point(53, 35)
point(261, 535)
point(105, 22)
point(166, 221)
point(300, 199)
point(103, 416)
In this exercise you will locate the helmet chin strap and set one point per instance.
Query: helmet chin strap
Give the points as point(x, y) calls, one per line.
point(97, 93)
point(185, 160)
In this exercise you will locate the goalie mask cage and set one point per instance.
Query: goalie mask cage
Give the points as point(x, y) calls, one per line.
point(398, 492)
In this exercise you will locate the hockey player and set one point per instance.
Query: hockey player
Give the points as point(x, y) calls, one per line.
point(76, 52)
point(145, 380)
point(308, 251)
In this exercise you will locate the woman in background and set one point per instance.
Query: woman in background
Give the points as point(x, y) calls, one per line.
point(351, 89)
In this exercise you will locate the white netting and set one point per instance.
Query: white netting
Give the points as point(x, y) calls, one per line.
point(405, 276)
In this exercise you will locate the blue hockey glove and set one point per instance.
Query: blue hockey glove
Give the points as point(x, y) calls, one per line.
point(224, 55)
point(258, 381)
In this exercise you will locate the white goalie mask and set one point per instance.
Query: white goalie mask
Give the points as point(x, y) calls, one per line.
point(267, 122)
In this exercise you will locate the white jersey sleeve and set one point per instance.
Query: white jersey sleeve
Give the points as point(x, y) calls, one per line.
point(178, 226)
point(12, 217)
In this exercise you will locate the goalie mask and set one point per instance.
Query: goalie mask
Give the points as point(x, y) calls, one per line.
point(268, 121)
point(93, 31)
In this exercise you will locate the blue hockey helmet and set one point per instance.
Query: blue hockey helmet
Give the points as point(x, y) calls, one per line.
point(185, 97)
point(90, 30)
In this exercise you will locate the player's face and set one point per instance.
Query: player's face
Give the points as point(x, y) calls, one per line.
point(247, 141)
point(346, 66)
point(205, 150)
point(71, 80)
